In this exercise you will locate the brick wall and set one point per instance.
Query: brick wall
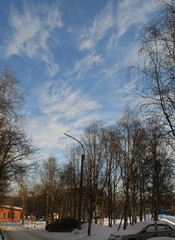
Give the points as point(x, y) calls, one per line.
point(6, 213)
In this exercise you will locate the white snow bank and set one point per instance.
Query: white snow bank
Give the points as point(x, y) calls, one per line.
point(98, 232)
point(167, 218)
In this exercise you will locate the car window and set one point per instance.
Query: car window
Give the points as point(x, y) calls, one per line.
point(150, 228)
point(163, 228)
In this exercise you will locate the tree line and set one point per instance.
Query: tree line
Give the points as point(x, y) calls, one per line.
point(128, 166)
point(128, 172)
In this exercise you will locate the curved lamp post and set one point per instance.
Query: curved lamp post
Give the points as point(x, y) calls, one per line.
point(81, 181)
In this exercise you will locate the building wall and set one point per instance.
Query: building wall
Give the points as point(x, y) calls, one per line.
point(4, 215)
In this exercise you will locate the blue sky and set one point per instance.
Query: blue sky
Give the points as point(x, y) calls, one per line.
point(71, 57)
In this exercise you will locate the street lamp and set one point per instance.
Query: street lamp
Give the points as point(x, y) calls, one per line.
point(81, 181)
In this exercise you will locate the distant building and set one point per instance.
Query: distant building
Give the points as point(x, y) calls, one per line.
point(10, 213)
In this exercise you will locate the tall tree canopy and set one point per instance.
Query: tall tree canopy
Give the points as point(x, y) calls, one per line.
point(14, 145)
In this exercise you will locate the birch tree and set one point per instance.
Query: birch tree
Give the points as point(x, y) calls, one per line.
point(157, 73)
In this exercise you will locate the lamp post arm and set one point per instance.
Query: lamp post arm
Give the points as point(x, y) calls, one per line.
point(77, 141)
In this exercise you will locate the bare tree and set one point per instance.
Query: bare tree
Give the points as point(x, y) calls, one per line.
point(132, 143)
point(157, 47)
point(14, 145)
point(49, 177)
point(160, 165)
point(94, 168)
point(70, 188)
point(112, 152)
point(157, 91)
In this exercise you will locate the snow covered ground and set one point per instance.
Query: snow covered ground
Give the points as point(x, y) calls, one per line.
point(17, 232)
point(28, 232)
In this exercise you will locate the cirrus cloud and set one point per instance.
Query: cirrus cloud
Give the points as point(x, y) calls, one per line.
point(31, 29)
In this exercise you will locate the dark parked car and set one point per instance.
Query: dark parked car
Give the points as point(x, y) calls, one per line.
point(63, 224)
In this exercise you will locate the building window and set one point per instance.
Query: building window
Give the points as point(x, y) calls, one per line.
point(3, 215)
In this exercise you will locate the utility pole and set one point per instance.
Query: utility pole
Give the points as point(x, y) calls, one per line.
point(81, 182)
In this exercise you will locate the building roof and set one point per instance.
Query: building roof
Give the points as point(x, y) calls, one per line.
point(8, 206)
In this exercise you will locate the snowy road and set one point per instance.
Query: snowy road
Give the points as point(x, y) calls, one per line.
point(19, 233)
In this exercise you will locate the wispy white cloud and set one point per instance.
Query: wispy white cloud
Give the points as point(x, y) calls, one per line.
point(107, 27)
point(119, 17)
point(61, 109)
point(141, 9)
point(129, 14)
point(97, 29)
point(31, 29)
point(61, 99)
point(85, 64)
